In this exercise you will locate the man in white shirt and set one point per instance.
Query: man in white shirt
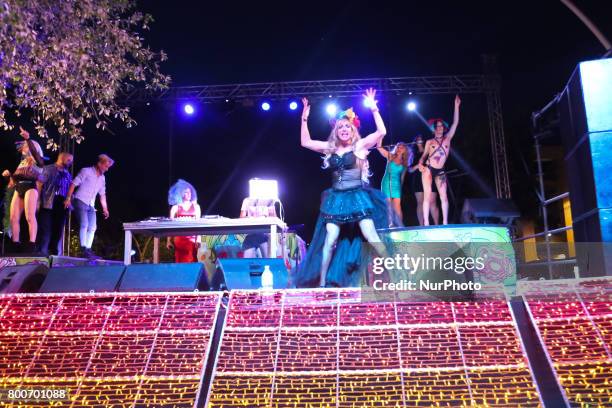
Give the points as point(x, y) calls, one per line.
point(90, 182)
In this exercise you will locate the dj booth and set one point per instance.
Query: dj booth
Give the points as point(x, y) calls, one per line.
point(220, 238)
point(163, 227)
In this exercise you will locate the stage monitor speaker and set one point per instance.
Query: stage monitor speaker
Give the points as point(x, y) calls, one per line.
point(174, 277)
point(22, 278)
point(82, 279)
point(240, 273)
point(488, 211)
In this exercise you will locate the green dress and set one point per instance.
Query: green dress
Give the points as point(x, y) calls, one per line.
point(391, 184)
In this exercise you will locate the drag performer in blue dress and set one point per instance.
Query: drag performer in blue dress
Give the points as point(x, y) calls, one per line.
point(391, 183)
point(349, 207)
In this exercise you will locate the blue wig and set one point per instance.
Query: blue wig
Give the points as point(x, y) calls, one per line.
point(175, 194)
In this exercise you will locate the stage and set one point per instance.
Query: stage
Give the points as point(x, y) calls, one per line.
point(154, 334)
point(525, 343)
point(322, 347)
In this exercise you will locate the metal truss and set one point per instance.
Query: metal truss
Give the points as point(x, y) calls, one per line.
point(488, 84)
point(498, 146)
point(496, 127)
point(338, 88)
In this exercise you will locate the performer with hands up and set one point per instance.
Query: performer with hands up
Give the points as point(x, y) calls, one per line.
point(433, 160)
point(349, 206)
point(25, 197)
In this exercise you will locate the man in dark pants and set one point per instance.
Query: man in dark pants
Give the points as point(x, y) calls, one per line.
point(52, 214)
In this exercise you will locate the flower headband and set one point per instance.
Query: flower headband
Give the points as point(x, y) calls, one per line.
point(432, 124)
point(349, 115)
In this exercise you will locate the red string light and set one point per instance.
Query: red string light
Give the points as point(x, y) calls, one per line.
point(573, 321)
point(334, 348)
point(108, 349)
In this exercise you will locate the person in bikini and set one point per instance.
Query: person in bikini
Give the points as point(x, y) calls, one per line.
point(416, 183)
point(431, 164)
point(26, 195)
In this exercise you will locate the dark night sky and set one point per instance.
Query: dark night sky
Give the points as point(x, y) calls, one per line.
point(538, 42)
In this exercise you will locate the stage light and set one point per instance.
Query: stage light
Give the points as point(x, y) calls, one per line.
point(189, 109)
point(265, 106)
point(331, 109)
point(293, 105)
point(264, 189)
point(411, 106)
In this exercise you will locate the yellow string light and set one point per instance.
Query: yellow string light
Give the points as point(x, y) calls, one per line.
point(329, 348)
point(574, 322)
point(109, 349)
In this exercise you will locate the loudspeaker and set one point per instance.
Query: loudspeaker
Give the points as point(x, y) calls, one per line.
point(585, 112)
point(239, 273)
point(488, 211)
point(82, 279)
point(175, 277)
point(22, 278)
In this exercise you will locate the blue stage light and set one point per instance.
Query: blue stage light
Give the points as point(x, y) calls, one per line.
point(411, 106)
point(189, 109)
point(293, 105)
point(331, 109)
point(265, 106)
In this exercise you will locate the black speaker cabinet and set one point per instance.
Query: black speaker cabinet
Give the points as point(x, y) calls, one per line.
point(174, 277)
point(82, 279)
point(239, 273)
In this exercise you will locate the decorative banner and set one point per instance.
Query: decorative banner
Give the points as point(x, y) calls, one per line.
point(487, 241)
point(23, 260)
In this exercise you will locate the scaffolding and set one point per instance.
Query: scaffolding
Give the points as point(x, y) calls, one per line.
point(545, 123)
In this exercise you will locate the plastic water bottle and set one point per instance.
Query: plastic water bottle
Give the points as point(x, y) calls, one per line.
point(267, 279)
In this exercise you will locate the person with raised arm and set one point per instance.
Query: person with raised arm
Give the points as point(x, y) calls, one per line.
point(431, 163)
point(350, 206)
point(25, 197)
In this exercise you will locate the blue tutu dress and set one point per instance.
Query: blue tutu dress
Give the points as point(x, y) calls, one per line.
point(349, 201)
